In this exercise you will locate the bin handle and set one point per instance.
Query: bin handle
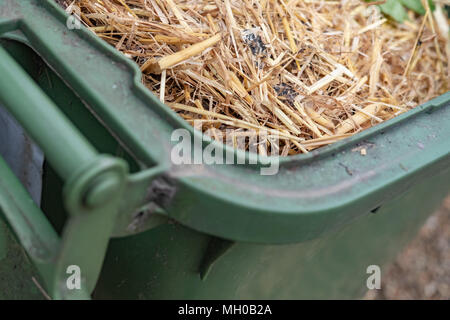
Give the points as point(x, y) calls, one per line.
point(94, 185)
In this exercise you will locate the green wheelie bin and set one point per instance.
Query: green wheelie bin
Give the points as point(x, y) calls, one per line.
point(137, 226)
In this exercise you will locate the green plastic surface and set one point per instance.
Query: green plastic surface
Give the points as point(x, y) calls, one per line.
point(224, 230)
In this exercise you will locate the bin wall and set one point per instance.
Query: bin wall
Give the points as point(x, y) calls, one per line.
point(16, 270)
point(164, 263)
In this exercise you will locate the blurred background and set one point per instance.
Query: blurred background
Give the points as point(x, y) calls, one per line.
point(422, 269)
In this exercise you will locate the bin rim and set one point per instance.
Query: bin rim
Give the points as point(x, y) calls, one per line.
point(286, 211)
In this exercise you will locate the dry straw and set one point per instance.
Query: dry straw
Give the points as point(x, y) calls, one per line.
point(311, 71)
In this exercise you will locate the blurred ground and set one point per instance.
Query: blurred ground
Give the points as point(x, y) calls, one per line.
point(422, 270)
